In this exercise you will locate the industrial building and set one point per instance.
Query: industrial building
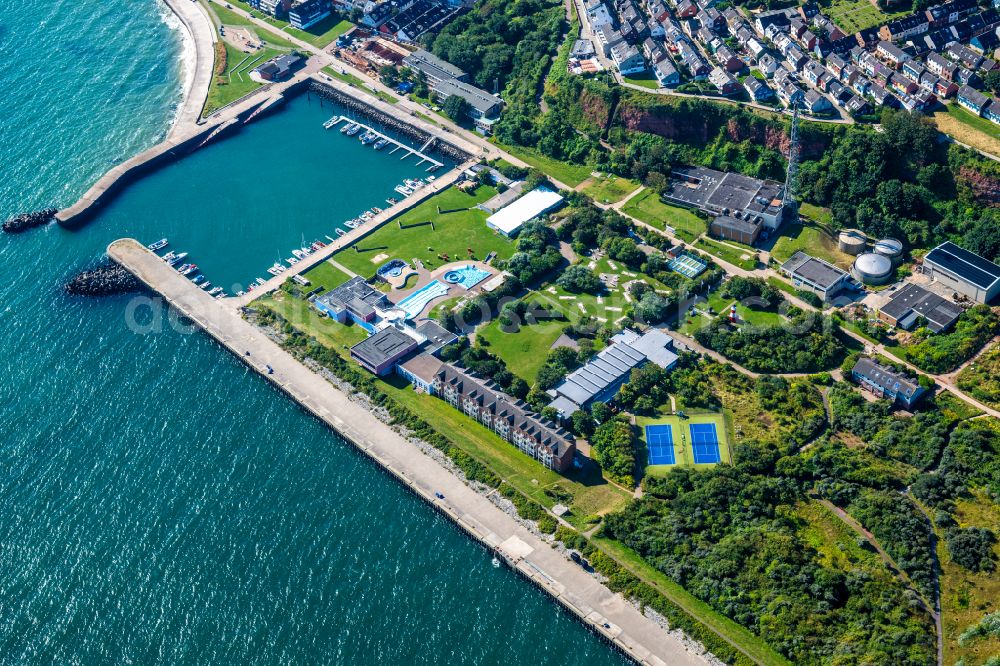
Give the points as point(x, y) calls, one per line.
point(446, 80)
point(737, 227)
point(965, 272)
point(356, 300)
point(723, 193)
point(874, 269)
point(602, 376)
point(886, 383)
point(815, 274)
point(509, 219)
point(380, 353)
point(913, 302)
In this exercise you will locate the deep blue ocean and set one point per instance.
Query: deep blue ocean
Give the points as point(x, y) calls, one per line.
point(158, 502)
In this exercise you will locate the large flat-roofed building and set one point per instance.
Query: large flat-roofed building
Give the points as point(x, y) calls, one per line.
point(723, 193)
point(508, 417)
point(886, 383)
point(354, 299)
point(434, 68)
point(965, 272)
point(478, 102)
point(509, 219)
point(911, 303)
point(815, 274)
point(602, 376)
point(381, 352)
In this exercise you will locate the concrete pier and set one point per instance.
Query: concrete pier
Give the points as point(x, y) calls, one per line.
point(606, 613)
point(397, 145)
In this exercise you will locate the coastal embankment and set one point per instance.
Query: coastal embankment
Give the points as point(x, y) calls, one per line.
point(201, 38)
point(606, 613)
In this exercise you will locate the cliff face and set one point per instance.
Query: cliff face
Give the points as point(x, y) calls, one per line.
point(701, 124)
point(595, 108)
point(985, 188)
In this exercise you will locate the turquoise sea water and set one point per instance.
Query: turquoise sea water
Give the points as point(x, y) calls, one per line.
point(158, 502)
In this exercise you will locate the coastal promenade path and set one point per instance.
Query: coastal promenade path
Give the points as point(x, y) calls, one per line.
point(606, 613)
point(196, 22)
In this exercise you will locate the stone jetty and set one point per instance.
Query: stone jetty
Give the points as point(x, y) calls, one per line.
point(105, 280)
point(26, 221)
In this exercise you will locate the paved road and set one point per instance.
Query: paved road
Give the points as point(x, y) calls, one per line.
point(605, 612)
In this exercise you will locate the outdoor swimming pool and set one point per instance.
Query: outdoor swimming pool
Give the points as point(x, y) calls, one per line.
point(415, 303)
point(466, 276)
point(393, 268)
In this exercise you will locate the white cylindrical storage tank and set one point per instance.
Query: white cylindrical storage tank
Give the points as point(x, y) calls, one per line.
point(852, 241)
point(871, 268)
point(891, 248)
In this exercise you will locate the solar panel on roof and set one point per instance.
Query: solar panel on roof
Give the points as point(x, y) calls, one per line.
point(966, 270)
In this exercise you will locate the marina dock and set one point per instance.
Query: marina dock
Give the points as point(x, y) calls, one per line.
point(397, 145)
point(604, 612)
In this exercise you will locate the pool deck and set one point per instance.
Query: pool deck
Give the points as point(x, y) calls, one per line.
point(604, 612)
point(425, 277)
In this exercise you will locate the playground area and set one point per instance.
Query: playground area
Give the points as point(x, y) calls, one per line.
point(686, 440)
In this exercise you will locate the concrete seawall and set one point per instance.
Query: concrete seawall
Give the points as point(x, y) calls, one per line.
point(604, 612)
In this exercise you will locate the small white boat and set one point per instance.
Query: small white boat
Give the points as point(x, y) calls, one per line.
point(341, 232)
point(214, 291)
point(404, 190)
point(260, 282)
point(206, 285)
point(158, 245)
point(299, 254)
point(292, 261)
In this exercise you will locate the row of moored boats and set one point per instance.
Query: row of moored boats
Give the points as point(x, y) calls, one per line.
point(187, 269)
point(369, 137)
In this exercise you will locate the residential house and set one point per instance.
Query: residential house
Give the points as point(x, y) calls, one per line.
point(777, 17)
point(767, 64)
point(755, 48)
point(964, 55)
point(307, 13)
point(653, 51)
point(816, 102)
point(908, 26)
point(941, 66)
point(724, 82)
point(728, 60)
point(666, 73)
point(992, 111)
point(949, 12)
point(891, 53)
point(628, 59)
point(972, 99)
point(757, 89)
point(857, 106)
point(913, 70)
point(887, 383)
point(867, 38)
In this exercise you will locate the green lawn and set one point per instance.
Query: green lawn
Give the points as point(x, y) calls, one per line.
point(564, 172)
point(648, 207)
point(645, 79)
point(235, 82)
point(456, 228)
point(352, 80)
point(525, 351)
point(855, 15)
point(811, 239)
point(610, 189)
point(969, 128)
point(305, 317)
point(326, 275)
point(986, 126)
point(816, 213)
point(727, 253)
point(585, 492)
point(323, 33)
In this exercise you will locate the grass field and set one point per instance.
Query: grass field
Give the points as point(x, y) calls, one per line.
point(564, 172)
point(609, 189)
point(683, 452)
point(981, 378)
point(524, 351)
point(969, 128)
point(645, 79)
point(352, 80)
point(813, 240)
point(648, 208)
point(855, 15)
point(319, 35)
point(967, 596)
point(745, 259)
point(235, 82)
point(458, 227)
point(304, 316)
point(326, 275)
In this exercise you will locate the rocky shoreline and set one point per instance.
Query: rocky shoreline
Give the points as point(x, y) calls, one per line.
point(26, 221)
point(360, 108)
point(104, 280)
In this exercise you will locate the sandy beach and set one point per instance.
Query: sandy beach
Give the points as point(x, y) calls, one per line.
point(199, 37)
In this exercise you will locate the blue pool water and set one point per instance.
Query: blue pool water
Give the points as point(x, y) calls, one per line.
point(466, 276)
point(415, 303)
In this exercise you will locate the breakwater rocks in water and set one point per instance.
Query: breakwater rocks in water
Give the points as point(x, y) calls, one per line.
point(104, 280)
point(28, 220)
point(358, 107)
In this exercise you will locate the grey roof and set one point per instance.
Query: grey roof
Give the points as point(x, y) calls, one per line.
point(885, 378)
point(437, 335)
point(423, 366)
point(387, 345)
point(355, 295)
point(938, 311)
point(434, 67)
point(738, 224)
point(627, 351)
point(718, 191)
point(477, 98)
point(966, 265)
point(812, 270)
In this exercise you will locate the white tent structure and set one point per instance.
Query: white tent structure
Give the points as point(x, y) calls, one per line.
point(509, 219)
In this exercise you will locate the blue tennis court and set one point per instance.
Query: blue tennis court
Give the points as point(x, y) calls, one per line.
point(660, 442)
point(705, 443)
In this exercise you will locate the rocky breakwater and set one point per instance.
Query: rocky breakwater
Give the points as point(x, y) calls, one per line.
point(359, 108)
point(106, 279)
point(26, 221)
